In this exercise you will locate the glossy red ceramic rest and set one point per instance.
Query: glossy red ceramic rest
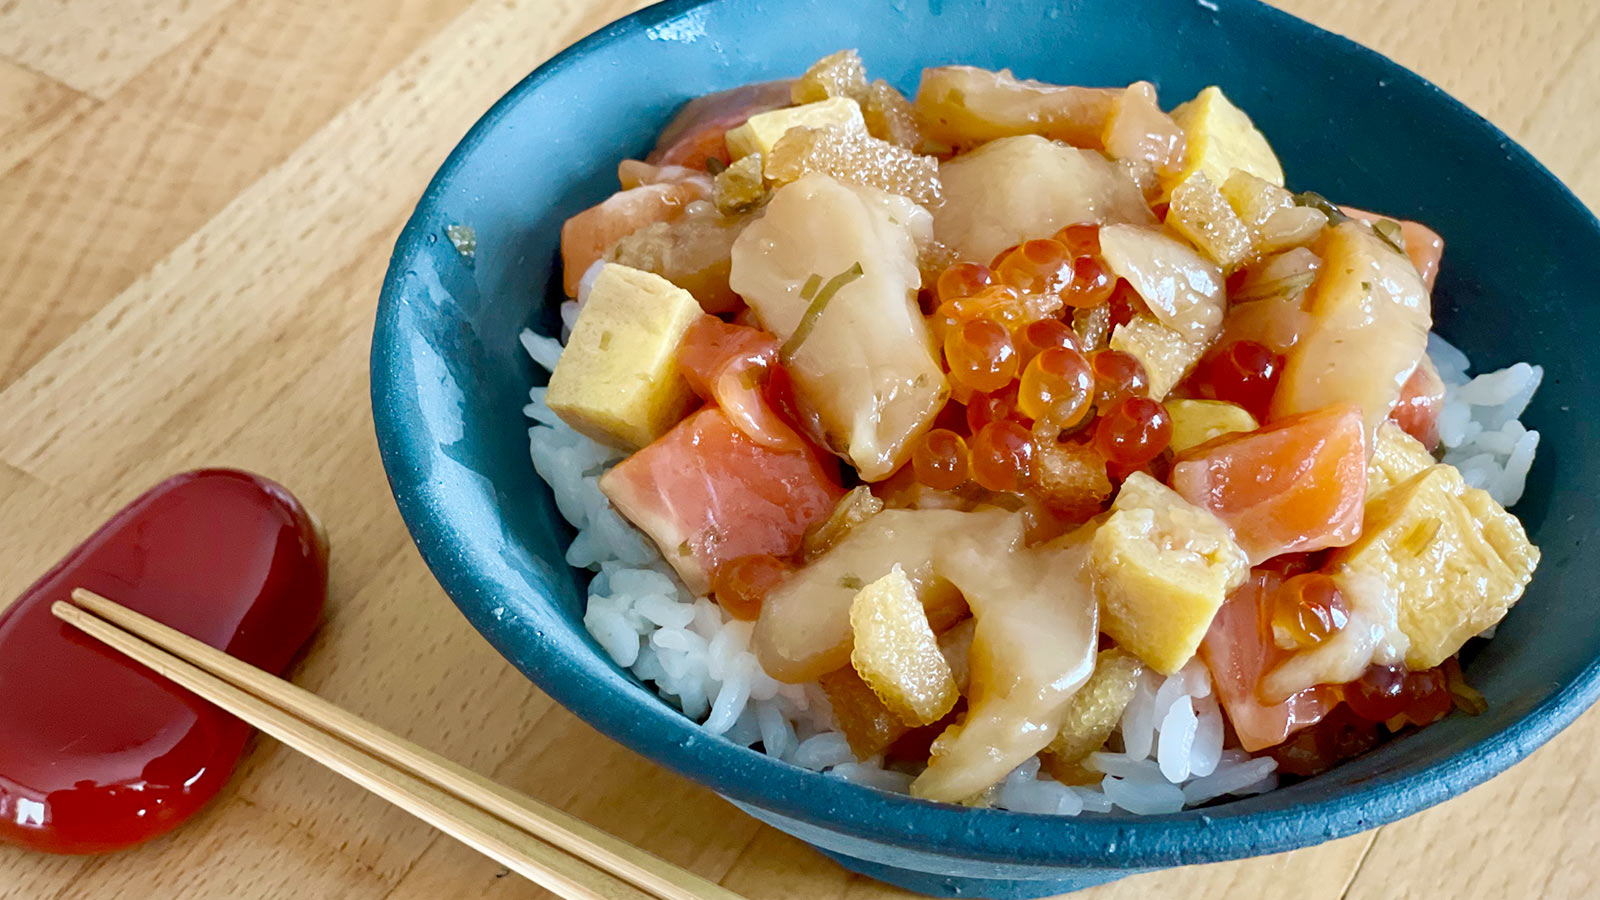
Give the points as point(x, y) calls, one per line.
point(97, 753)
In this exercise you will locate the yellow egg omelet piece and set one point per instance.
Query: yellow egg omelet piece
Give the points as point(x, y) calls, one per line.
point(1196, 421)
point(1454, 557)
point(1161, 570)
point(761, 131)
point(1221, 138)
point(617, 381)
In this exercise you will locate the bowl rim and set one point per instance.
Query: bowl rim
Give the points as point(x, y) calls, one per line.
point(662, 734)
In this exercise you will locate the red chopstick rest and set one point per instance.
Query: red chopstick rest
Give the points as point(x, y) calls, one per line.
point(98, 753)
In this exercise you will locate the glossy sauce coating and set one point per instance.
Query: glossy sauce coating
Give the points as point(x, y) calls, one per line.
point(97, 753)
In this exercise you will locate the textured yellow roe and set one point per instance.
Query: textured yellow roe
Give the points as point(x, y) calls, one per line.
point(1093, 715)
point(853, 156)
point(896, 652)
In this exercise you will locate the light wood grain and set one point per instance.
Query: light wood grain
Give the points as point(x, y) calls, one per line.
point(33, 109)
point(107, 198)
point(96, 45)
point(193, 252)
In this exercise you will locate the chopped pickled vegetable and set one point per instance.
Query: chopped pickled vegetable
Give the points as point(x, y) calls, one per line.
point(739, 187)
point(1070, 478)
point(1314, 200)
point(888, 114)
point(839, 74)
point(1254, 199)
point(895, 652)
point(1198, 212)
point(867, 723)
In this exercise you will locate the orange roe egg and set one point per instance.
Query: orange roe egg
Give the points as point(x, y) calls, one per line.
point(980, 355)
point(1307, 610)
point(1124, 304)
point(985, 408)
point(1082, 239)
point(939, 459)
point(1428, 697)
point(1037, 337)
point(1002, 456)
point(1036, 267)
point(1117, 375)
point(1056, 387)
point(740, 585)
point(1379, 694)
point(1003, 304)
point(1242, 372)
point(1091, 283)
point(964, 279)
point(1133, 432)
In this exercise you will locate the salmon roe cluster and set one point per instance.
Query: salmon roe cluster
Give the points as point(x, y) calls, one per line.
point(1026, 377)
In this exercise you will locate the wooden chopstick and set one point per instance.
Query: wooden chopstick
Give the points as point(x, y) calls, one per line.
point(546, 822)
point(455, 799)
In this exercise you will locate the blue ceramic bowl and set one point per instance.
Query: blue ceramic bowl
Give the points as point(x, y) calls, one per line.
point(449, 381)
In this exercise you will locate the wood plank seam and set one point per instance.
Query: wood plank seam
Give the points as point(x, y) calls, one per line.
point(292, 179)
point(109, 89)
point(77, 106)
point(1361, 863)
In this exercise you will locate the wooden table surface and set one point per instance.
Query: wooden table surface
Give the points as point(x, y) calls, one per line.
point(199, 198)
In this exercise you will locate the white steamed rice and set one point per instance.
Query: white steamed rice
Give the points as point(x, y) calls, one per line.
point(1171, 736)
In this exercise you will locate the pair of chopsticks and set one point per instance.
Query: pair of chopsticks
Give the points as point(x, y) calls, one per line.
point(555, 850)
